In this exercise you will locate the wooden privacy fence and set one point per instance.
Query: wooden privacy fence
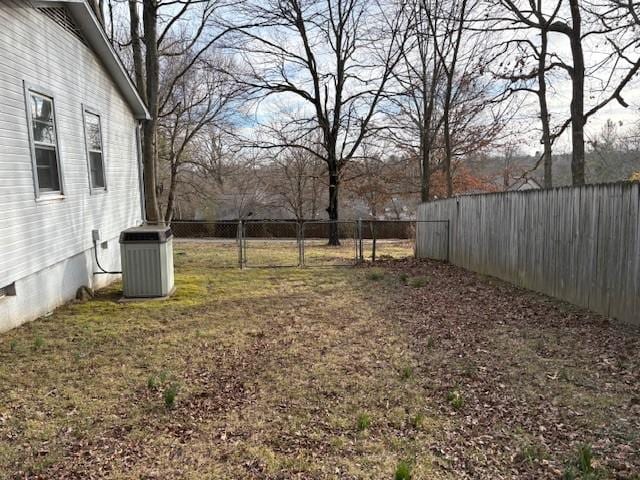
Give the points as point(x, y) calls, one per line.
point(580, 244)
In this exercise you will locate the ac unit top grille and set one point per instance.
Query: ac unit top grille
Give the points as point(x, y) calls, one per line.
point(146, 234)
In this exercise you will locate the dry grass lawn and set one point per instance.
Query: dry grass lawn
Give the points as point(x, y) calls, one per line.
point(334, 372)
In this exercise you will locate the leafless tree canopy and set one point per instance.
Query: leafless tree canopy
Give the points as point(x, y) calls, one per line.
point(305, 108)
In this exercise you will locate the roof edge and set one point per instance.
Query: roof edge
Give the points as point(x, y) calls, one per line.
point(97, 38)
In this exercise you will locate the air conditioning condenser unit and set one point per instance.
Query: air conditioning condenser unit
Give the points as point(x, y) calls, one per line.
point(147, 262)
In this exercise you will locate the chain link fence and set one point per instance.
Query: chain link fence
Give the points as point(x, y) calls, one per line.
point(270, 244)
point(316, 250)
point(219, 242)
point(285, 243)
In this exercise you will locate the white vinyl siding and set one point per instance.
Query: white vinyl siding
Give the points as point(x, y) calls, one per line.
point(39, 232)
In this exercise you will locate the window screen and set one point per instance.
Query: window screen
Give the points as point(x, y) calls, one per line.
point(44, 143)
point(93, 133)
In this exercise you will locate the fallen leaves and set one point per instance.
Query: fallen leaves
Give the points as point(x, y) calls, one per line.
point(539, 376)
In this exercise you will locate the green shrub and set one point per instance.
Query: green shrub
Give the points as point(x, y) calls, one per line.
point(403, 277)
point(363, 422)
point(403, 471)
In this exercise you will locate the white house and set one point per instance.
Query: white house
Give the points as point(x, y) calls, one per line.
point(69, 155)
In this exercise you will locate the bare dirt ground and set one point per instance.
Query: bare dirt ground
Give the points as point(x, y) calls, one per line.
point(404, 370)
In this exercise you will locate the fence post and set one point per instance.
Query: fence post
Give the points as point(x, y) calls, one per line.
point(448, 237)
point(360, 259)
point(301, 260)
point(373, 237)
point(415, 239)
point(299, 240)
point(240, 252)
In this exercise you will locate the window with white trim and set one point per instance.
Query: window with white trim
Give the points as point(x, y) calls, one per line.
point(93, 139)
point(46, 158)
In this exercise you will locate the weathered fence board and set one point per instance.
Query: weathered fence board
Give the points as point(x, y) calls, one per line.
point(432, 239)
point(581, 244)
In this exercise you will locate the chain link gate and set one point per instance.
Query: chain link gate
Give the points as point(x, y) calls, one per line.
point(270, 244)
point(315, 248)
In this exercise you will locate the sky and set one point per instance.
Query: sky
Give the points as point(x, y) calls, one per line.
point(525, 126)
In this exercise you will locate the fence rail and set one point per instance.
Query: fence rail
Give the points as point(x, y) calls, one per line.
point(580, 244)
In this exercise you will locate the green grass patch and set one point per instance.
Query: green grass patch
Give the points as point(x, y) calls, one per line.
point(406, 373)
point(403, 471)
point(418, 282)
point(169, 396)
point(363, 422)
point(417, 420)
point(38, 343)
point(375, 275)
point(455, 399)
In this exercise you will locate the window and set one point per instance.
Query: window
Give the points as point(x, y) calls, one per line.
point(93, 139)
point(46, 160)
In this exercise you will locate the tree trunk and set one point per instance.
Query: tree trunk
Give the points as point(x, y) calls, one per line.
point(171, 197)
point(424, 168)
point(425, 133)
point(448, 153)
point(136, 47)
point(577, 98)
point(98, 8)
point(150, 18)
point(544, 112)
point(505, 171)
point(332, 210)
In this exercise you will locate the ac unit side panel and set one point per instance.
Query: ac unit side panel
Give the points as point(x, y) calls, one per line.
point(166, 258)
point(142, 269)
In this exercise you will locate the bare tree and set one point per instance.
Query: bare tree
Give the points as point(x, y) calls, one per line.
point(333, 57)
point(169, 29)
point(370, 180)
point(419, 76)
point(527, 69)
point(446, 104)
point(448, 50)
point(296, 178)
point(580, 23)
point(204, 95)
